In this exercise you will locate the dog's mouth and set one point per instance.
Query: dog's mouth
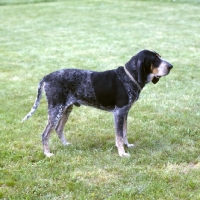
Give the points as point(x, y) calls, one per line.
point(157, 77)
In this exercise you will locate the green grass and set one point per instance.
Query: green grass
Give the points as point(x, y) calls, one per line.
point(36, 39)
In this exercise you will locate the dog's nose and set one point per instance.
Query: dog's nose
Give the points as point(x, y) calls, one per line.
point(170, 66)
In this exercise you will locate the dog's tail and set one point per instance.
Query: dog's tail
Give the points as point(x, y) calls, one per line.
point(37, 101)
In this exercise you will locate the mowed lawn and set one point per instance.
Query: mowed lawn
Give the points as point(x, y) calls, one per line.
point(164, 124)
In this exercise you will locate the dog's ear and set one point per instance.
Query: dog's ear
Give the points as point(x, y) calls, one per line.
point(155, 80)
point(141, 71)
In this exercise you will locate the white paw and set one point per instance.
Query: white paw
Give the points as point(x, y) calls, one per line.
point(130, 145)
point(126, 155)
point(66, 143)
point(48, 154)
point(121, 154)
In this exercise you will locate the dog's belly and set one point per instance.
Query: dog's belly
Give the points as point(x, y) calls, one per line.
point(91, 103)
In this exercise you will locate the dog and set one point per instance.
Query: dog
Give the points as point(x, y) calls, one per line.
point(113, 90)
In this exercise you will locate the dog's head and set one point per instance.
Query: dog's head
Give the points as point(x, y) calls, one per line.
point(150, 66)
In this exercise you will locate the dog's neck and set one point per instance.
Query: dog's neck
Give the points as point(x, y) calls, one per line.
point(132, 78)
point(132, 68)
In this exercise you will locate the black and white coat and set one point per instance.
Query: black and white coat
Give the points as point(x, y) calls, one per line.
point(113, 90)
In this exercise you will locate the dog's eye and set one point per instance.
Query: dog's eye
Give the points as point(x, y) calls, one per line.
point(156, 58)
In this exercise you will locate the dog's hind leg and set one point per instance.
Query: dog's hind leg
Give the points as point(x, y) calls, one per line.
point(60, 127)
point(55, 113)
point(45, 139)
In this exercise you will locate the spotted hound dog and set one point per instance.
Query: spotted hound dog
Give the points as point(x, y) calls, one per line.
point(113, 90)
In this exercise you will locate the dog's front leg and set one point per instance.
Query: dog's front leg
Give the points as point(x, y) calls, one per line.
point(119, 128)
point(125, 133)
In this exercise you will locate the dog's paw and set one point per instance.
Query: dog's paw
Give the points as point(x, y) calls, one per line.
point(66, 143)
point(48, 154)
point(130, 145)
point(124, 154)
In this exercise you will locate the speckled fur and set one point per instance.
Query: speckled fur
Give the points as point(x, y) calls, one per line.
point(111, 90)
